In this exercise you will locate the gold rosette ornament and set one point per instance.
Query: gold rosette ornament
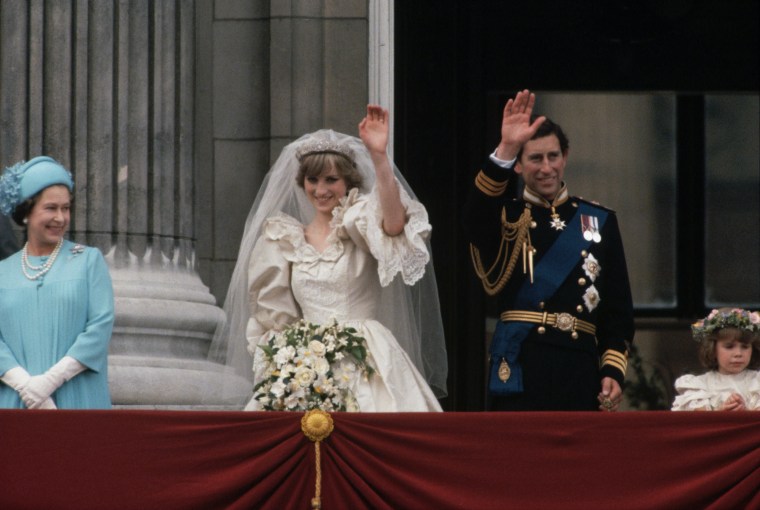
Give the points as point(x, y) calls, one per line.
point(317, 425)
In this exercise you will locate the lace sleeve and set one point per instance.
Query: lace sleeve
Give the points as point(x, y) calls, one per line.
point(405, 253)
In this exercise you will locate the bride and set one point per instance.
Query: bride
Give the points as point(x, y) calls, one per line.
point(318, 247)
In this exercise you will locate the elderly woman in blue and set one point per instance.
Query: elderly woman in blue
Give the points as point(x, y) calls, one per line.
point(56, 299)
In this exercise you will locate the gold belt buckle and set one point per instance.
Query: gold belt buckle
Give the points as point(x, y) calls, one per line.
point(565, 322)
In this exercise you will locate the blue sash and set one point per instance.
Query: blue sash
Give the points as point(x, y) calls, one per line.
point(553, 268)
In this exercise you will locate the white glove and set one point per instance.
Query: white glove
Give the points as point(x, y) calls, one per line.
point(48, 404)
point(17, 377)
point(40, 387)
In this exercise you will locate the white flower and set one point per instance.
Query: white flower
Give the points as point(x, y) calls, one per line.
point(284, 355)
point(287, 370)
point(294, 399)
point(305, 375)
point(321, 366)
point(317, 348)
point(277, 389)
point(345, 371)
point(323, 384)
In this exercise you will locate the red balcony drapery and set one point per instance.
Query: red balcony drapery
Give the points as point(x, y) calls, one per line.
point(208, 460)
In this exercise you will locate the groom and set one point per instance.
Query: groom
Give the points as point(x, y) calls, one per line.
point(556, 266)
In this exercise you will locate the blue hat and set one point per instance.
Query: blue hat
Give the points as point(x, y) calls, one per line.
point(24, 180)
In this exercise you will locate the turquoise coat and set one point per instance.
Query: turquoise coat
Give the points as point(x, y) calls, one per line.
point(70, 312)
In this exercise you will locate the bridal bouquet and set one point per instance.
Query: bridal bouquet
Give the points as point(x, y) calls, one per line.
point(312, 367)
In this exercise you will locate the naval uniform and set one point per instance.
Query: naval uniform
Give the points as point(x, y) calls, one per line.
point(558, 273)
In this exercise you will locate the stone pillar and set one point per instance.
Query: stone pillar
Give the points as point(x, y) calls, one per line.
point(318, 66)
point(110, 94)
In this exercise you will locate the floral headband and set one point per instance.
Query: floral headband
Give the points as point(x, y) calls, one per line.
point(726, 318)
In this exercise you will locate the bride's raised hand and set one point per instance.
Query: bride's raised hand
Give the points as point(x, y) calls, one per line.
point(373, 129)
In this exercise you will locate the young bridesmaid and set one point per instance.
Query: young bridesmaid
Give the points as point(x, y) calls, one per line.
point(729, 346)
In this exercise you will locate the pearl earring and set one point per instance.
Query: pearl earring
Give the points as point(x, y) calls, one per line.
point(26, 220)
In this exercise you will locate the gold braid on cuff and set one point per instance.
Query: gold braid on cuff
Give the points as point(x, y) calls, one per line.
point(616, 359)
point(488, 186)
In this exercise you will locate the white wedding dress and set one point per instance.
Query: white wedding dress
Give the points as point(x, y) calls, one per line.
point(289, 279)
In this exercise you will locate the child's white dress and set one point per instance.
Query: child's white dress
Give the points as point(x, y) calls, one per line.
point(709, 391)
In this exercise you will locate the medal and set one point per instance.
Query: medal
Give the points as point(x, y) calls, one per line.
point(590, 228)
point(556, 223)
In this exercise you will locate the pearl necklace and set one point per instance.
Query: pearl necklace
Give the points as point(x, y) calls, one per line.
point(40, 270)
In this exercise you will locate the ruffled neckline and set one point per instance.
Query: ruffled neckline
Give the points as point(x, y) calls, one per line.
point(285, 228)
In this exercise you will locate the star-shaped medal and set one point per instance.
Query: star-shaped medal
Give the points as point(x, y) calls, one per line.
point(556, 223)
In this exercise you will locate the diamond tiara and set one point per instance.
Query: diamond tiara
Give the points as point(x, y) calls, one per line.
point(321, 146)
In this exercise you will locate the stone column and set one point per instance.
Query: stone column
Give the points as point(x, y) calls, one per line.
point(318, 67)
point(110, 94)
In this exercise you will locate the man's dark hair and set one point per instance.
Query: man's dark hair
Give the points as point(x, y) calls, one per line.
point(549, 128)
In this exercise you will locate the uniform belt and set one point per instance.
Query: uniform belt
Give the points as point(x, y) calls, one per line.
point(561, 321)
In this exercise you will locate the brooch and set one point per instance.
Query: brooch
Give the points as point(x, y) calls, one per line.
point(591, 267)
point(591, 298)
